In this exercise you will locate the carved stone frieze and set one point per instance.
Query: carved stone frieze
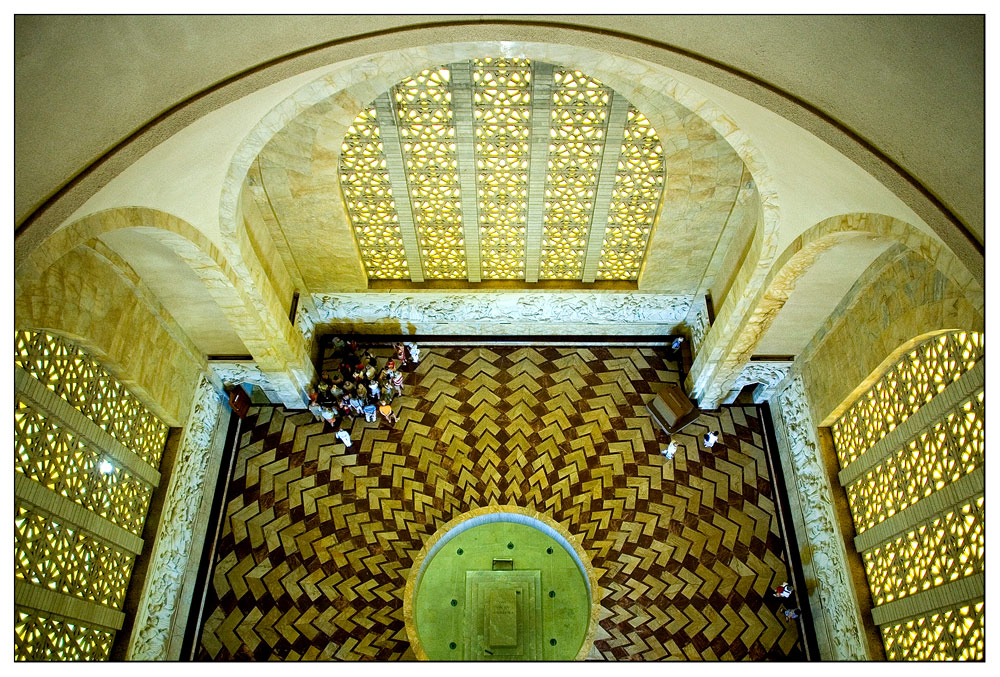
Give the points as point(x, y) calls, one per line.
point(698, 324)
point(502, 313)
point(172, 547)
point(837, 620)
point(767, 374)
point(240, 372)
point(279, 387)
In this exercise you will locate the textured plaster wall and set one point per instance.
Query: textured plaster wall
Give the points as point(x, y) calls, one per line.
point(929, 76)
point(89, 299)
point(900, 297)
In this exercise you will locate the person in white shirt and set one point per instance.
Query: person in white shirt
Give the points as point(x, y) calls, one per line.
point(711, 438)
point(783, 590)
point(670, 450)
point(344, 436)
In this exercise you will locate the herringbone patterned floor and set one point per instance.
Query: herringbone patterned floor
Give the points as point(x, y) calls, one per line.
point(319, 539)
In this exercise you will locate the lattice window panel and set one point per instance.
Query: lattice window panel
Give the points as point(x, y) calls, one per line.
point(958, 633)
point(66, 560)
point(427, 131)
point(910, 384)
point(55, 458)
point(502, 122)
point(371, 205)
point(576, 143)
point(72, 375)
point(501, 140)
point(936, 552)
point(952, 448)
point(634, 200)
point(37, 638)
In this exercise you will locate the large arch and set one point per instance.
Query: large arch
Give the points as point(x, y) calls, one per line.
point(382, 36)
point(737, 335)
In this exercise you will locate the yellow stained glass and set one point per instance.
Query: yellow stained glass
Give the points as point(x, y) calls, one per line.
point(957, 633)
point(364, 178)
point(912, 382)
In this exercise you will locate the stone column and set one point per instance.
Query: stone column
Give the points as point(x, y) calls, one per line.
point(836, 614)
point(169, 586)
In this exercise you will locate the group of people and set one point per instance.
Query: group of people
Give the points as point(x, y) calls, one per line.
point(784, 591)
point(359, 387)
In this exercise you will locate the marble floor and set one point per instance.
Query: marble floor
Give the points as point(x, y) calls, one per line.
point(318, 538)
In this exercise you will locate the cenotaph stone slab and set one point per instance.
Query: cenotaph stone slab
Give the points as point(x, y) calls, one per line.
point(503, 616)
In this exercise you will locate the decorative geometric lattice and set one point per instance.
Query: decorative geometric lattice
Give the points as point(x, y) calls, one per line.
point(55, 458)
point(72, 375)
point(958, 633)
point(502, 113)
point(941, 550)
point(947, 546)
point(911, 383)
point(579, 122)
point(47, 639)
point(68, 561)
point(423, 107)
point(952, 448)
point(634, 200)
point(370, 202)
point(502, 98)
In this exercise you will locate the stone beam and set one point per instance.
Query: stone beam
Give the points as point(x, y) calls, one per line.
point(613, 137)
point(392, 147)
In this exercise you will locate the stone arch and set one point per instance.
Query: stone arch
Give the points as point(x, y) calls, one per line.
point(91, 297)
point(901, 299)
point(649, 87)
point(185, 240)
point(733, 351)
point(191, 246)
point(275, 346)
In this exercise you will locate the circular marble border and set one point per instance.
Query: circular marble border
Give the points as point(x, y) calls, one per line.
point(513, 512)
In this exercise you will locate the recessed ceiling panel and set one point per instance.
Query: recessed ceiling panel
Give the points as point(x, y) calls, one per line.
point(502, 169)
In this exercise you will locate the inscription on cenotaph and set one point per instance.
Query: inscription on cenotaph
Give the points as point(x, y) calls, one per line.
point(501, 618)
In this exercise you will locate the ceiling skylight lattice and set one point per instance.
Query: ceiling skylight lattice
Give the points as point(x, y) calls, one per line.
point(502, 169)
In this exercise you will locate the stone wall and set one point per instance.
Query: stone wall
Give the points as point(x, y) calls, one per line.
point(900, 298)
point(266, 252)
